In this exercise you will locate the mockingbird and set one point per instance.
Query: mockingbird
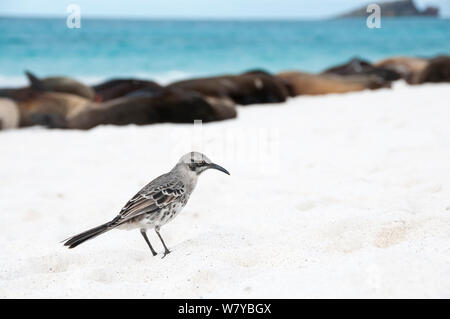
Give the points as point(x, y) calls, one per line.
point(157, 203)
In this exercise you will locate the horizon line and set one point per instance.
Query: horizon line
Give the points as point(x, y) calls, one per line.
point(138, 17)
point(202, 18)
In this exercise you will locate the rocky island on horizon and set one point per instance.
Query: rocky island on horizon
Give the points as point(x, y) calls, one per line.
point(400, 8)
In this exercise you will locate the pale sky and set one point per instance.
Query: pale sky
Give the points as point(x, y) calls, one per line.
point(192, 9)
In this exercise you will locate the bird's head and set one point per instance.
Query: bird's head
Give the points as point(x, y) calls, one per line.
point(198, 163)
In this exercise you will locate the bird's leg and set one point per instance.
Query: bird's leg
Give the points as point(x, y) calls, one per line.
point(144, 234)
point(166, 250)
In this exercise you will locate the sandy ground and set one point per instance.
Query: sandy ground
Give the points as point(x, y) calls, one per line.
point(332, 196)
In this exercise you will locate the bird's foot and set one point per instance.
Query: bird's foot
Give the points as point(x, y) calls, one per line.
point(154, 253)
point(166, 253)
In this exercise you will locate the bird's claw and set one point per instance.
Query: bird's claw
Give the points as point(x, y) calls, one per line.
point(166, 253)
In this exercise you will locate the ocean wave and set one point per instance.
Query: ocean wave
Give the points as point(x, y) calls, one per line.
point(12, 81)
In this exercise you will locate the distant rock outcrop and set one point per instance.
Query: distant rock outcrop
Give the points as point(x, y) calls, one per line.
point(401, 8)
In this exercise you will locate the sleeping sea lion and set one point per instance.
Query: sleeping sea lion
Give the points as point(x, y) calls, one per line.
point(409, 68)
point(115, 88)
point(437, 70)
point(315, 84)
point(51, 109)
point(172, 105)
point(61, 85)
point(248, 88)
point(9, 114)
point(361, 67)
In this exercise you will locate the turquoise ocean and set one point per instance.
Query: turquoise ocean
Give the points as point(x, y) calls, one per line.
point(166, 50)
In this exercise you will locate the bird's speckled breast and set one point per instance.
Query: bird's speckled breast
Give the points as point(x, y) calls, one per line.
point(164, 215)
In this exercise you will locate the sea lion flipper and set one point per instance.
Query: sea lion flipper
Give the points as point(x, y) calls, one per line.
point(35, 83)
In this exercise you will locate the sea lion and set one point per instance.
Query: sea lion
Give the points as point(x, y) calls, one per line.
point(60, 84)
point(408, 68)
point(253, 87)
point(115, 88)
point(9, 114)
point(144, 92)
point(61, 110)
point(315, 84)
point(19, 94)
point(172, 105)
point(437, 70)
point(361, 67)
point(51, 109)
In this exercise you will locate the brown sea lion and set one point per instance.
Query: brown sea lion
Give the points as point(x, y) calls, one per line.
point(437, 70)
point(248, 88)
point(9, 114)
point(409, 68)
point(60, 84)
point(19, 94)
point(172, 105)
point(60, 110)
point(51, 109)
point(361, 67)
point(121, 87)
point(316, 84)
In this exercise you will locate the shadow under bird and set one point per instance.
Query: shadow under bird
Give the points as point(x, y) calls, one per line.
point(157, 203)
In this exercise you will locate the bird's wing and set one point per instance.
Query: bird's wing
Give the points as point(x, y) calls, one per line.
point(151, 198)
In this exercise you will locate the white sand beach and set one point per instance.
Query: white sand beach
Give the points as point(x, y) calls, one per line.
point(329, 196)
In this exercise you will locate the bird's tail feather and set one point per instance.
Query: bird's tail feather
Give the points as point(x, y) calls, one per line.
point(74, 241)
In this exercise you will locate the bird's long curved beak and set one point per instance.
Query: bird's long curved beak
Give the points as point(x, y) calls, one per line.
point(218, 167)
